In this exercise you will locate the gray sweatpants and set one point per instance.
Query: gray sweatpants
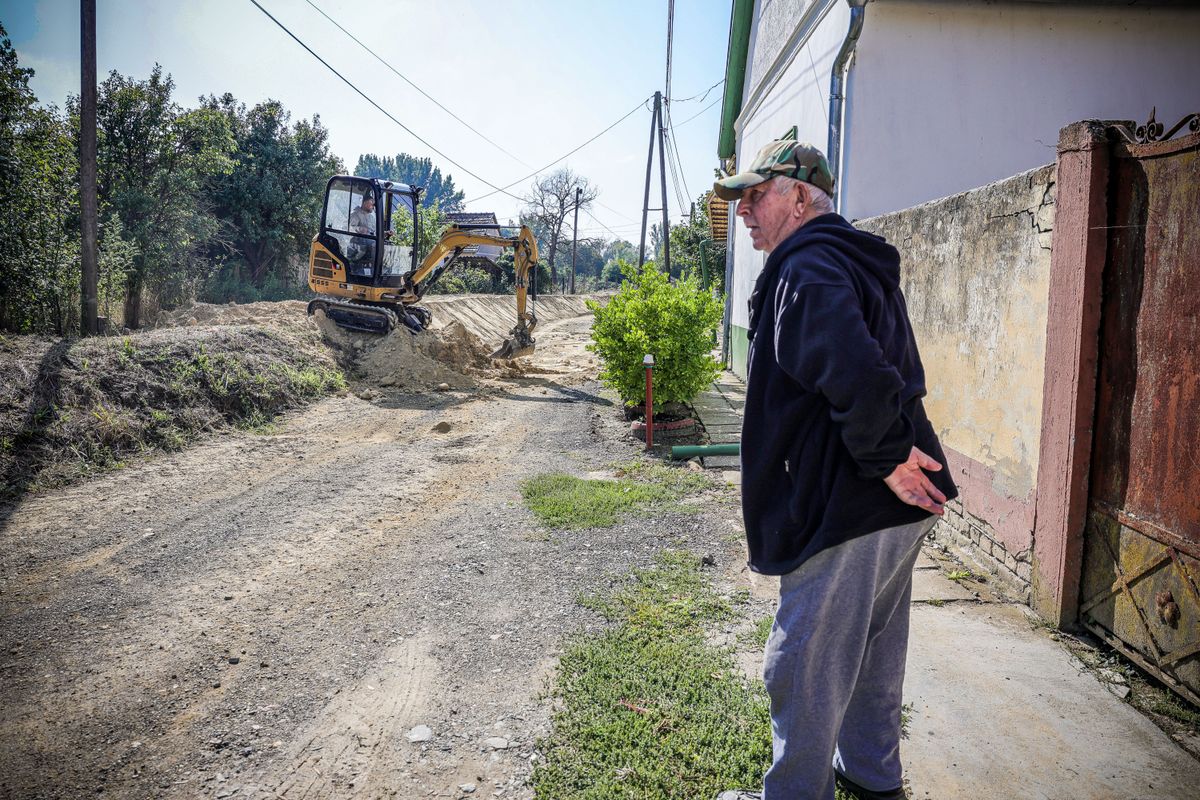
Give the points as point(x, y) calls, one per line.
point(835, 666)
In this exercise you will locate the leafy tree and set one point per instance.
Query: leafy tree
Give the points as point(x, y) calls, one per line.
point(551, 200)
point(269, 202)
point(413, 171)
point(616, 252)
point(39, 268)
point(154, 159)
point(686, 241)
point(676, 322)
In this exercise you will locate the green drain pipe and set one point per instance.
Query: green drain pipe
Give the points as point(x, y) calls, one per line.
point(684, 451)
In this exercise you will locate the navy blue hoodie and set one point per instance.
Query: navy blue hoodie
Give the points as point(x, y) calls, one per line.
point(833, 396)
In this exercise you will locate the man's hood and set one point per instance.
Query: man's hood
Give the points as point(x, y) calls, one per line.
point(863, 250)
point(860, 251)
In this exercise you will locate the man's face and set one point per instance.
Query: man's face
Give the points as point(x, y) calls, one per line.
point(368, 204)
point(770, 217)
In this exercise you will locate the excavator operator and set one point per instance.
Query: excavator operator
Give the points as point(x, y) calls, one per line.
point(362, 221)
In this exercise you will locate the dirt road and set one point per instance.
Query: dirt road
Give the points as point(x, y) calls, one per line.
point(279, 614)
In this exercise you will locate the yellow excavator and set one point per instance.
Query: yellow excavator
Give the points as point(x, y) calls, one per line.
point(363, 263)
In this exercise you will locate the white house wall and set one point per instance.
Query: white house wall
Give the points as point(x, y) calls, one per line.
point(799, 95)
point(948, 96)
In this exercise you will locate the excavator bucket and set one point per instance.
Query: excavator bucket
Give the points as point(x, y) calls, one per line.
point(519, 343)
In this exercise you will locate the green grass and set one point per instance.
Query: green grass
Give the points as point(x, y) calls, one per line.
point(648, 709)
point(960, 575)
point(565, 502)
point(756, 637)
point(1173, 708)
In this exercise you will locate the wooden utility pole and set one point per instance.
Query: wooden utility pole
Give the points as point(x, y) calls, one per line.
point(89, 324)
point(649, 165)
point(656, 127)
point(662, 175)
point(575, 236)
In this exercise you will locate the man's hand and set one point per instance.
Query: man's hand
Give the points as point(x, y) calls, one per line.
point(909, 483)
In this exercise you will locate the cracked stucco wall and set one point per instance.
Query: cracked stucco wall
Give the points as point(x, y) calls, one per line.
point(976, 276)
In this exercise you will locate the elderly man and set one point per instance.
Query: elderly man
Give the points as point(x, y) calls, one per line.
point(841, 478)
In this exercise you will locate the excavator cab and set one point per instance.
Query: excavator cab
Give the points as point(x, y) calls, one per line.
point(370, 226)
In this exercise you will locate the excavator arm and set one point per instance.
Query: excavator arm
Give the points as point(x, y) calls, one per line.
point(452, 244)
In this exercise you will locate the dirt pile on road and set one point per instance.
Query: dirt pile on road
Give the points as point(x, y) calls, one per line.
point(411, 363)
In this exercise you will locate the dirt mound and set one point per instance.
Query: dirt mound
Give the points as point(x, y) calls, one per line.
point(412, 363)
point(69, 407)
point(454, 351)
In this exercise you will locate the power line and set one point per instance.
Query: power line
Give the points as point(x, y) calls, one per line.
point(381, 109)
point(601, 224)
point(700, 96)
point(678, 159)
point(405, 78)
point(618, 213)
point(698, 113)
point(563, 157)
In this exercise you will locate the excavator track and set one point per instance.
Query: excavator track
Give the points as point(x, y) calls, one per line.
point(357, 316)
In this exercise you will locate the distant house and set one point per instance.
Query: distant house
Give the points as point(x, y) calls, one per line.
point(919, 99)
point(483, 256)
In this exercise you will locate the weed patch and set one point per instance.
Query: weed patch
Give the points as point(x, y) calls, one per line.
point(565, 502)
point(649, 710)
point(757, 636)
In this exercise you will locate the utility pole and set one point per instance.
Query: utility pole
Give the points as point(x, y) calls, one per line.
point(662, 174)
point(649, 164)
point(89, 324)
point(575, 236)
point(656, 127)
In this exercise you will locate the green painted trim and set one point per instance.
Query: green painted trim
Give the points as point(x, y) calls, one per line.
point(735, 74)
point(739, 350)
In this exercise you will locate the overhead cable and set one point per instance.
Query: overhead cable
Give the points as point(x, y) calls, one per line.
point(563, 157)
point(678, 158)
point(601, 224)
point(699, 97)
point(698, 113)
point(384, 111)
point(405, 78)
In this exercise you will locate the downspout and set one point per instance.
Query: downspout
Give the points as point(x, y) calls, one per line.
point(735, 79)
point(837, 96)
point(740, 18)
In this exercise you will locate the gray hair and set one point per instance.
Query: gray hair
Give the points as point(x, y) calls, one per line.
point(818, 200)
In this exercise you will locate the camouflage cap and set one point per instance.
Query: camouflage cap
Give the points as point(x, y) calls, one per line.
point(786, 157)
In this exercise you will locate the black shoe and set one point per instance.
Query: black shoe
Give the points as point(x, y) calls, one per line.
point(847, 785)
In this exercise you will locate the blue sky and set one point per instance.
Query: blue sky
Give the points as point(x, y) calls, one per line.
point(538, 77)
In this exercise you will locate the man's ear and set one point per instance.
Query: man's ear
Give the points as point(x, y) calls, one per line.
point(801, 203)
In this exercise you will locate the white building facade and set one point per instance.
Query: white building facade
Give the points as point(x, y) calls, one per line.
point(941, 96)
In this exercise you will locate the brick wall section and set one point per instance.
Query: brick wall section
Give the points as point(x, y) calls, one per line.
point(974, 540)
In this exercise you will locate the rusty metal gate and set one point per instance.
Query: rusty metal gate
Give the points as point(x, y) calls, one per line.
point(1140, 586)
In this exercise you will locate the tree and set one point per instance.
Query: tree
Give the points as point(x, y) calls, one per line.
point(39, 270)
point(551, 200)
point(154, 159)
point(269, 202)
point(616, 252)
point(413, 171)
point(686, 241)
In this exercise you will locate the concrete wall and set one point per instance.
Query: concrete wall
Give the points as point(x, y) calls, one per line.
point(947, 96)
point(976, 276)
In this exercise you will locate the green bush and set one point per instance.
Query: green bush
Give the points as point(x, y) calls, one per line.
point(675, 322)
